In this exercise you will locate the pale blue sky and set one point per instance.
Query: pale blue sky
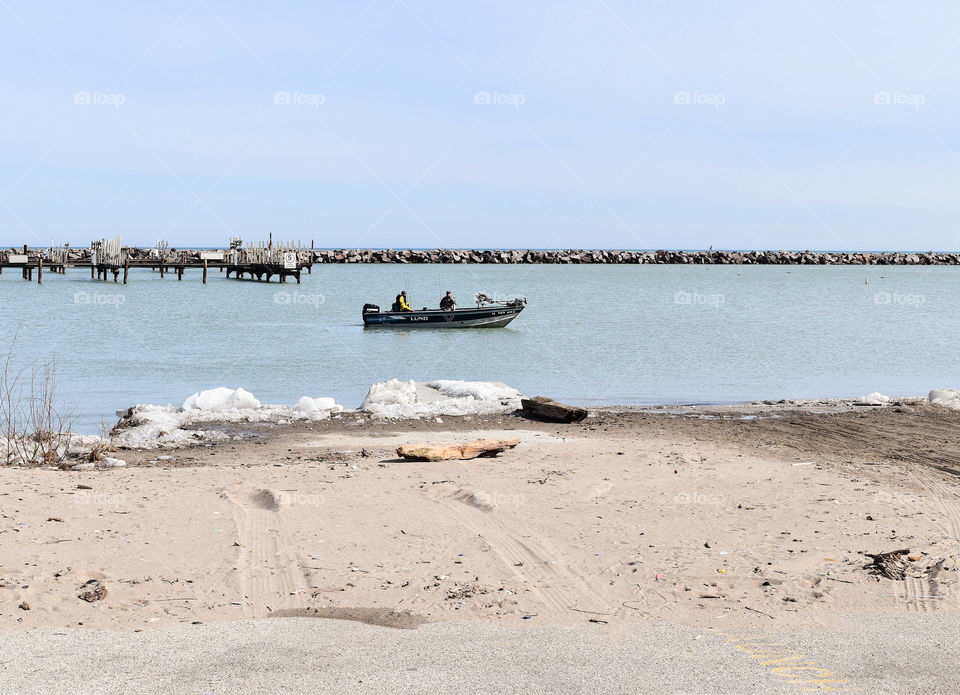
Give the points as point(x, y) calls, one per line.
point(810, 124)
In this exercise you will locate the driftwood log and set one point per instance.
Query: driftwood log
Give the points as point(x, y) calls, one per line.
point(543, 408)
point(892, 564)
point(451, 451)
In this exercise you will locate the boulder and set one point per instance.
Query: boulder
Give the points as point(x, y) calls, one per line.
point(452, 451)
point(543, 408)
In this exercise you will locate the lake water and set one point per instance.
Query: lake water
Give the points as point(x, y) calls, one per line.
point(590, 334)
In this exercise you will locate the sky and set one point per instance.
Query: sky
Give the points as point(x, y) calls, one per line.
point(413, 124)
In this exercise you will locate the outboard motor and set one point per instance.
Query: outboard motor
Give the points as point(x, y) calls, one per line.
point(371, 309)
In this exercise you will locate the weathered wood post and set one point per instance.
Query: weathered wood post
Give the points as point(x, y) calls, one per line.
point(179, 272)
point(40, 271)
point(204, 271)
point(161, 268)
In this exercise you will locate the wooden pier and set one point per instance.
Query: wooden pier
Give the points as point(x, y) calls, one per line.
point(110, 259)
point(259, 260)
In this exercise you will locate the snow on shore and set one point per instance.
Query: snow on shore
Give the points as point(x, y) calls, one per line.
point(949, 398)
point(397, 399)
point(221, 398)
point(875, 398)
point(155, 426)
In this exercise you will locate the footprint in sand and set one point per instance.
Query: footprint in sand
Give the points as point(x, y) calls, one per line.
point(481, 500)
point(266, 499)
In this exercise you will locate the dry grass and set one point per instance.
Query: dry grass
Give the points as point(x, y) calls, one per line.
point(34, 425)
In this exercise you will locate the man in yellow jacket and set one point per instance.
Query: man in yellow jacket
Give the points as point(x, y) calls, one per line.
point(401, 303)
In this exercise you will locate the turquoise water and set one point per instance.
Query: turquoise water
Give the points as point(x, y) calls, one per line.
point(590, 334)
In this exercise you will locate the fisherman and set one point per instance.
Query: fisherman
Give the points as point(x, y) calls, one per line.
point(449, 302)
point(401, 303)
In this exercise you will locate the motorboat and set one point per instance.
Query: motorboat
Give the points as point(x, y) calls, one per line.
point(488, 313)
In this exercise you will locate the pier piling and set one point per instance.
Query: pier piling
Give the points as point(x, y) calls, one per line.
point(260, 261)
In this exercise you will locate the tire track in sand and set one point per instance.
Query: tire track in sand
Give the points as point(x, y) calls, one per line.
point(944, 499)
point(552, 583)
point(271, 575)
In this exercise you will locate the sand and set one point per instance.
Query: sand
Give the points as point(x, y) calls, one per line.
point(757, 519)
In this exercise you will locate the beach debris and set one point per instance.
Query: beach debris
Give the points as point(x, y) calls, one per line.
point(891, 564)
point(24, 606)
point(543, 408)
point(95, 591)
point(449, 451)
point(460, 592)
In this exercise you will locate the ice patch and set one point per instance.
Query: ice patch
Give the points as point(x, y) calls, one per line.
point(949, 398)
point(83, 444)
point(155, 426)
point(874, 398)
point(479, 390)
point(395, 399)
point(312, 407)
point(221, 398)
point(390, 393)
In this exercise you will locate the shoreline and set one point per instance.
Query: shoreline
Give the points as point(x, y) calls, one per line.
point(542, 257)
point(635, 516)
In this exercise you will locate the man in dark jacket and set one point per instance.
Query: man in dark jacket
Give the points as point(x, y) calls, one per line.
point(448, 303)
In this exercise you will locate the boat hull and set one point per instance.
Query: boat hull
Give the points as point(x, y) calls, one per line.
point(480, 317)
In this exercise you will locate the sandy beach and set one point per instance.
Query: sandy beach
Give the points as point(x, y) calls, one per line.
point(751, 517)
point(488, 348)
